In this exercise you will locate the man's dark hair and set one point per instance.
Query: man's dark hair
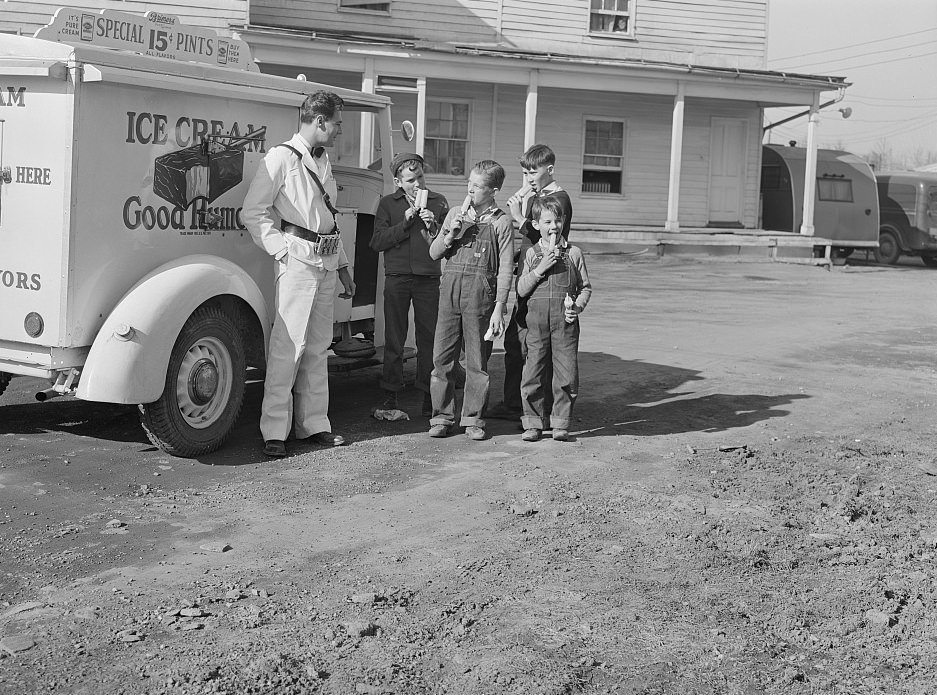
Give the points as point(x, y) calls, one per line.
point(537, 156)
point(323, 104)
point(547, 202)
point(491, 171)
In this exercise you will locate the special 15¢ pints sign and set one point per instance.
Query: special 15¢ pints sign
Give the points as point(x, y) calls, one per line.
point(155, 33)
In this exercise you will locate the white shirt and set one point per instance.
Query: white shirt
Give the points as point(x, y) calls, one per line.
point(283, 189)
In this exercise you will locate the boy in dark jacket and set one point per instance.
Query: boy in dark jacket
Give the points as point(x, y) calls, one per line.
point(405, 224)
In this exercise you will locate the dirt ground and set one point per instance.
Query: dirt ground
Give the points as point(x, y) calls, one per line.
point(747, 506)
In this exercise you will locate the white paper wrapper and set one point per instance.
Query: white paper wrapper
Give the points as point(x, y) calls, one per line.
point(392, 415)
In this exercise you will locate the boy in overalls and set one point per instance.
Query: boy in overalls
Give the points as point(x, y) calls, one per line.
point(477, 241)
point(556, 284)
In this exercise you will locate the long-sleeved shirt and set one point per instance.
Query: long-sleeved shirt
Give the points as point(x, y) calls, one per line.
point(283, 189)
point(405, 243)
point(529, 279)
point(504, 238)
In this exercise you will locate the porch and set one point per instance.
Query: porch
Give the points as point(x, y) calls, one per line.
point(711, 241)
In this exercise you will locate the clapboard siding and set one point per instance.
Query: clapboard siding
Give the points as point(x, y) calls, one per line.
point(720, 32)
point(469, 22)
point(560, 122)
point(26, 17)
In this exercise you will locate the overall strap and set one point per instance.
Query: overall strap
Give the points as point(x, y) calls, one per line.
point(315, 177)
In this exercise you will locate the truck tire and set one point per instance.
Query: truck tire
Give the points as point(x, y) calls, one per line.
point(204, 387)
point(888, 250)
point(4, 381)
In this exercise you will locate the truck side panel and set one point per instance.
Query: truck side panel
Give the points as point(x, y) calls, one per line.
point(36, 144)
point(178, 165)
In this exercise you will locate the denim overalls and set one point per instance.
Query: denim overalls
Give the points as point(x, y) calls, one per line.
point(466, 299)
point(549, 336)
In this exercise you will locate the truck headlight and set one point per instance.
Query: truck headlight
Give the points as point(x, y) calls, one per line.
point(33, 324)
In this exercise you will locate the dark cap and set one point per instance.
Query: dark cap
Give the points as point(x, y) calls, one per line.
point(400, 158)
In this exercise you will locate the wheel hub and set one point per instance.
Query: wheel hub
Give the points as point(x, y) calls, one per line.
point(203, 382)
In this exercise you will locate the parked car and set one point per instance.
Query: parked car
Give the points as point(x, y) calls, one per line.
point(845, 204)
point(907, 216)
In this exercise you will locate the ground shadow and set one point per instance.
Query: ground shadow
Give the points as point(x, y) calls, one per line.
point(617, 397)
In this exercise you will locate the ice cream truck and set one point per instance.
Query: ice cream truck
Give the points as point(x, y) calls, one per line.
point(127, 144)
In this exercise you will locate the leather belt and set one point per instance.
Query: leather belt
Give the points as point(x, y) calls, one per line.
point(301, 232)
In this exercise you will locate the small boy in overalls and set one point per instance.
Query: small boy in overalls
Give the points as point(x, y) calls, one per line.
point(556, 284)
point(477, 241)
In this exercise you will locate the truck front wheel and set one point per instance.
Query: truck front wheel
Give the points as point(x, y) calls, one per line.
point(204, 387)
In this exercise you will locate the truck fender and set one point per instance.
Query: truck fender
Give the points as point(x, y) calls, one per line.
point(132, 369)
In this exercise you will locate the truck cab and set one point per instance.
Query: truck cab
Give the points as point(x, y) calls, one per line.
point(127, 144)
point(908, 216)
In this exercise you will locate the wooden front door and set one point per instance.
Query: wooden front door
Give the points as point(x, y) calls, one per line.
point(727, 171)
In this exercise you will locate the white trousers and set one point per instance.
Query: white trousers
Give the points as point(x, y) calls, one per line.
point(297, 383)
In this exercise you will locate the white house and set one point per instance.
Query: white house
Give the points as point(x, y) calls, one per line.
point(653, 107)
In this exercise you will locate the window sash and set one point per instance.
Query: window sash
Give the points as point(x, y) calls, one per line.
point(612, 17)
point(372, 6)
point(603, 153)
point(445, 144)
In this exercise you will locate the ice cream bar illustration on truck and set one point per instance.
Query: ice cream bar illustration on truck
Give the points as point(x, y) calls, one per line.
point(207, 170)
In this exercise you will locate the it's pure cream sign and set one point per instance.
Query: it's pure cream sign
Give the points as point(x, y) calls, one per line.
point(155, 33)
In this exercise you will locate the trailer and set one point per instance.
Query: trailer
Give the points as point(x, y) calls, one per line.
point(846, 202)
point(127, 144)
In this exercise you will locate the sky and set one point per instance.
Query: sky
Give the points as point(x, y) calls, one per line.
point(887, 49)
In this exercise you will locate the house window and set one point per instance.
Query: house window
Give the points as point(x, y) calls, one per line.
point(445, 146)
point(611, 17)
point(364, 6)
point(602, 156)
point(837, 190)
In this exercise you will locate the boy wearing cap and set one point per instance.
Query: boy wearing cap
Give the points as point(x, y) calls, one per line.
point(404, 227)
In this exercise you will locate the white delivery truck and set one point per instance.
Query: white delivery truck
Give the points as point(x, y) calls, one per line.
point(127, 144)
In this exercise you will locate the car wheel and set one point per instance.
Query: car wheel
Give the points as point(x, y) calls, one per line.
point(4, 381)
point(929, 260)
point(204, 387)
point(888, 251)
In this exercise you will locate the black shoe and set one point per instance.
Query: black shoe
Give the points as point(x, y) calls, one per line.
point(275, 448)
point(327, 439)
point(427, 409)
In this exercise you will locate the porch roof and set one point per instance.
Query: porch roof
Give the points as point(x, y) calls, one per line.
point(774, 87)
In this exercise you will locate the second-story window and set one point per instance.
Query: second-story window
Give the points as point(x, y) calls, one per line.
point(611, 17)
point(364, 6)
point(445, 147)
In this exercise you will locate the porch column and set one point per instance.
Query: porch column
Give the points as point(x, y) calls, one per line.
point(420, 115)
point(810, 169)
point(530, 114)
point(366, 148)
point(676, 158)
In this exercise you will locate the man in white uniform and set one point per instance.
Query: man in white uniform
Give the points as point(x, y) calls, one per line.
point(289, 213)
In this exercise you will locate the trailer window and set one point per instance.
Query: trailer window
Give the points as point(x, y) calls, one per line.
point(836, 190)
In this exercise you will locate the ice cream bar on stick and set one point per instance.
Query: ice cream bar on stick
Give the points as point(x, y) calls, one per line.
point(466, 204)
point(523, 191)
